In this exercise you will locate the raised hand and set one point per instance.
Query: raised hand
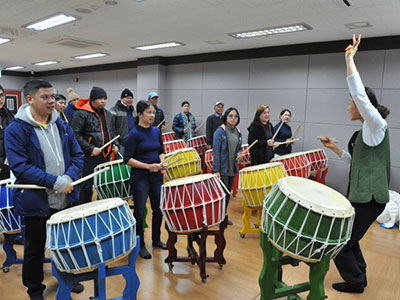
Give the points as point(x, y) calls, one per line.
point(351, 50)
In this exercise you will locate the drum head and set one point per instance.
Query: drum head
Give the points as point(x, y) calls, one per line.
point(316, 196)
point(85, 210)
point(261, 167)
point(180, 150)
point(109, 163)
point(189, 180)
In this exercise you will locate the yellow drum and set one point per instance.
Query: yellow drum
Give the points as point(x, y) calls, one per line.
point(255, 182)
point(189, 165)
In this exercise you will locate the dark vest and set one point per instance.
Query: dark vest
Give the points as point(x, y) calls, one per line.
point(370, 171)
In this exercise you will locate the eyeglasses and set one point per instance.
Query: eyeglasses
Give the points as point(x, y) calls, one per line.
point(233, 116)
point(2, 95)
point(47, 97)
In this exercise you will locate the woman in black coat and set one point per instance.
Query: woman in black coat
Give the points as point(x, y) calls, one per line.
point(262, 130)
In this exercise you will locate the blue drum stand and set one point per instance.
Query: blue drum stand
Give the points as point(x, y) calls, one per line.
point(67, 280)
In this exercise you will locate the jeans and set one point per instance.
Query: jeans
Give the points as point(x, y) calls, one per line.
point(142, 187)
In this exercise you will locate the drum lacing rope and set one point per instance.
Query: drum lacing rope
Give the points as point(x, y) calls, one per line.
point(7, 217)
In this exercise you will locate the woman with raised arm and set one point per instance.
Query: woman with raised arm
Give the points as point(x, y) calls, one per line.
point(369, 160)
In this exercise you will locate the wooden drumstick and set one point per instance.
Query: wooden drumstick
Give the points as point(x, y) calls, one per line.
point(172, 162)
point(294, 135)
point(168, 124)
point(321, 138)
point(288, 142)
point(277, 131)
point(120, 155)
point(108, 143)
point(159, 124)
point(201, 125)
point(65, 117)
point(171, 157)
point(223, 185)
point(248, 149)
point(37, 187)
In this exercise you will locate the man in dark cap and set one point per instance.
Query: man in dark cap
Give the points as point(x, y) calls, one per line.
point(93, 128)
point(159, 119)
point(123, 115)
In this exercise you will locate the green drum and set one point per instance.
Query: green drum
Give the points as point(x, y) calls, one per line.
point(114, 183)
point(306, 219)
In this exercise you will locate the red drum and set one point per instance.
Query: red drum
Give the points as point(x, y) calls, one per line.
point(199, 143)
point(246, 161)
point(209, 158)
point(173, 146)
point(168, 136)
point(191, 203)
point(296, 164)
point(317, 159)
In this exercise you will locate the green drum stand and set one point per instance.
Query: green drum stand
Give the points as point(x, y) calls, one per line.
point(270, 280)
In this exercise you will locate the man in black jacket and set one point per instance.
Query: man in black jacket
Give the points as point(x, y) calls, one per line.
point(159, 117)
point(213, 122)
point(93, 128)
point(123, 115)
point(6, 118)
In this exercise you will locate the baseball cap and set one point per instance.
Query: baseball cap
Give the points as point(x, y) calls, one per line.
point(218, 103)
point(152, 95)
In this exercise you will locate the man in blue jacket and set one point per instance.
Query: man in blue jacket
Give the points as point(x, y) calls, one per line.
point(41, 149)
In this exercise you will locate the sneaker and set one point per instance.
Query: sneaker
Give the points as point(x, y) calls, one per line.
point(347, 288)
point(144, 253)
point(77, 288)
point(160, 244)
point(230, 222)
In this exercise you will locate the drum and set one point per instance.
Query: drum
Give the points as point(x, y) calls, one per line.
point(296, 164)
point(81, 237)
point(246, 160)
point(306, 219)
point(188, 204)
point(9, 221)
point(317, 159)
point(189, 165)
point(255, 182)
point(199, 143)
point(113, 183)
point(168, 136)
point(208, 159)
point(173, 146)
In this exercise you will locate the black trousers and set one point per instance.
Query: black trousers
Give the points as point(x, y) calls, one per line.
point(350, 261)
point(228, 181)
point(32, 268)
point(86, 187)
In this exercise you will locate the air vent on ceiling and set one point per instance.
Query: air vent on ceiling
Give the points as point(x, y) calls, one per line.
point(15, 32)
point(74, 42)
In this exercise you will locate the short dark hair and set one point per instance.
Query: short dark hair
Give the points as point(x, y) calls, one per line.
point(32, 86)
point(141, 106)
point(225, 116)
point(383, 110)
point(285, 110)
point(60, 97)
point(185, 102)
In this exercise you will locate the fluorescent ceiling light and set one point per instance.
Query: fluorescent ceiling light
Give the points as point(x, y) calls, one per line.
point(4, 40)
point(159, 46)
point(14, 68)
point(45, 63)
point(50, 22)
point(271, 30)
point(93, 55)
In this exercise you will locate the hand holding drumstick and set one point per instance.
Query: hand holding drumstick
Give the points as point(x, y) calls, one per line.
point(330, 143)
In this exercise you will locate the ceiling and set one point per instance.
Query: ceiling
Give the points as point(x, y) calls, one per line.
point(128, 23)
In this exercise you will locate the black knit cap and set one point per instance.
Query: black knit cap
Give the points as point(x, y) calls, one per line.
point(126, 93)
point(97, 93)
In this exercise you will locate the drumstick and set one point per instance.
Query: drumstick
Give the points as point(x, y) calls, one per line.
point(5, 162)
point(321, 138)
point(248, 149)
point(171, 157)
point(223, 185)
point(108, 143)
point(65, 117)
point(120, 155)
point(277, 131)
point(172, 162)
point(296, 132)
point(198, 128)
point(288, 142)
point(37, 187)
point(168, 124)
point(159, 124)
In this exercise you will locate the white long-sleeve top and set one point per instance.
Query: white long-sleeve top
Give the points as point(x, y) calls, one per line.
point(374, 126)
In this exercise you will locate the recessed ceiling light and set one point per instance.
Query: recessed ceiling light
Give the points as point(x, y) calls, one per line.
point(159, 46)
point(215, 42)
point(271, 31)
point(83, 10)
point(14, 68)
point(45, 63)
point(111, 2)
point(50, 22)
point(356, 25)
point(92, 55)
point(4, 40)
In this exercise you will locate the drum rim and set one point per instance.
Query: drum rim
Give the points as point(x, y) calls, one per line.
point(257, 167)
point(169, 132)
point(79, 212)
point(190, 179)
point(209, 151)
point(345, 212)
point(290, 155)
point(197, 137)
point(186, 149)
point(313, 151)
point(174, 141)
point(108, 163)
